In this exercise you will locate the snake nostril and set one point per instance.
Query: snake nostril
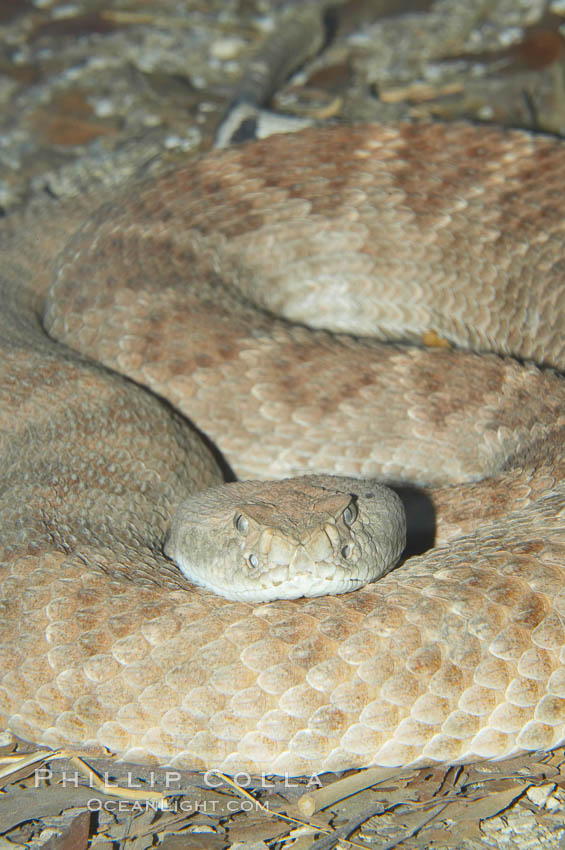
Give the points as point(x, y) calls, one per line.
point(347, 550)
point(241, 524)
point(253, 561)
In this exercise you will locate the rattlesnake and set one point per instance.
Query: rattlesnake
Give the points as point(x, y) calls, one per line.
point(201, 284)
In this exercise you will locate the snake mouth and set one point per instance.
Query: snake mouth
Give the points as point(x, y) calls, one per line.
point(293, 587)
point(278, 566)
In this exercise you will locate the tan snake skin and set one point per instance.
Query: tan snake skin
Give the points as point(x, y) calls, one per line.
point(451, 232)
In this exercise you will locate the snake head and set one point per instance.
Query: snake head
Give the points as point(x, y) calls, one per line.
point(257, 541)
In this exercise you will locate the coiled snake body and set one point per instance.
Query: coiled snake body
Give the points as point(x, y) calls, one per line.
point(229, 288)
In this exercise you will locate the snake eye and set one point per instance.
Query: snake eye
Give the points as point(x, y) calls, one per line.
point(350, 514)
point(253, 561)
point(241, 524)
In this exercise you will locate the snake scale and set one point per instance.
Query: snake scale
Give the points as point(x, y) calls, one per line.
point(364, 301)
